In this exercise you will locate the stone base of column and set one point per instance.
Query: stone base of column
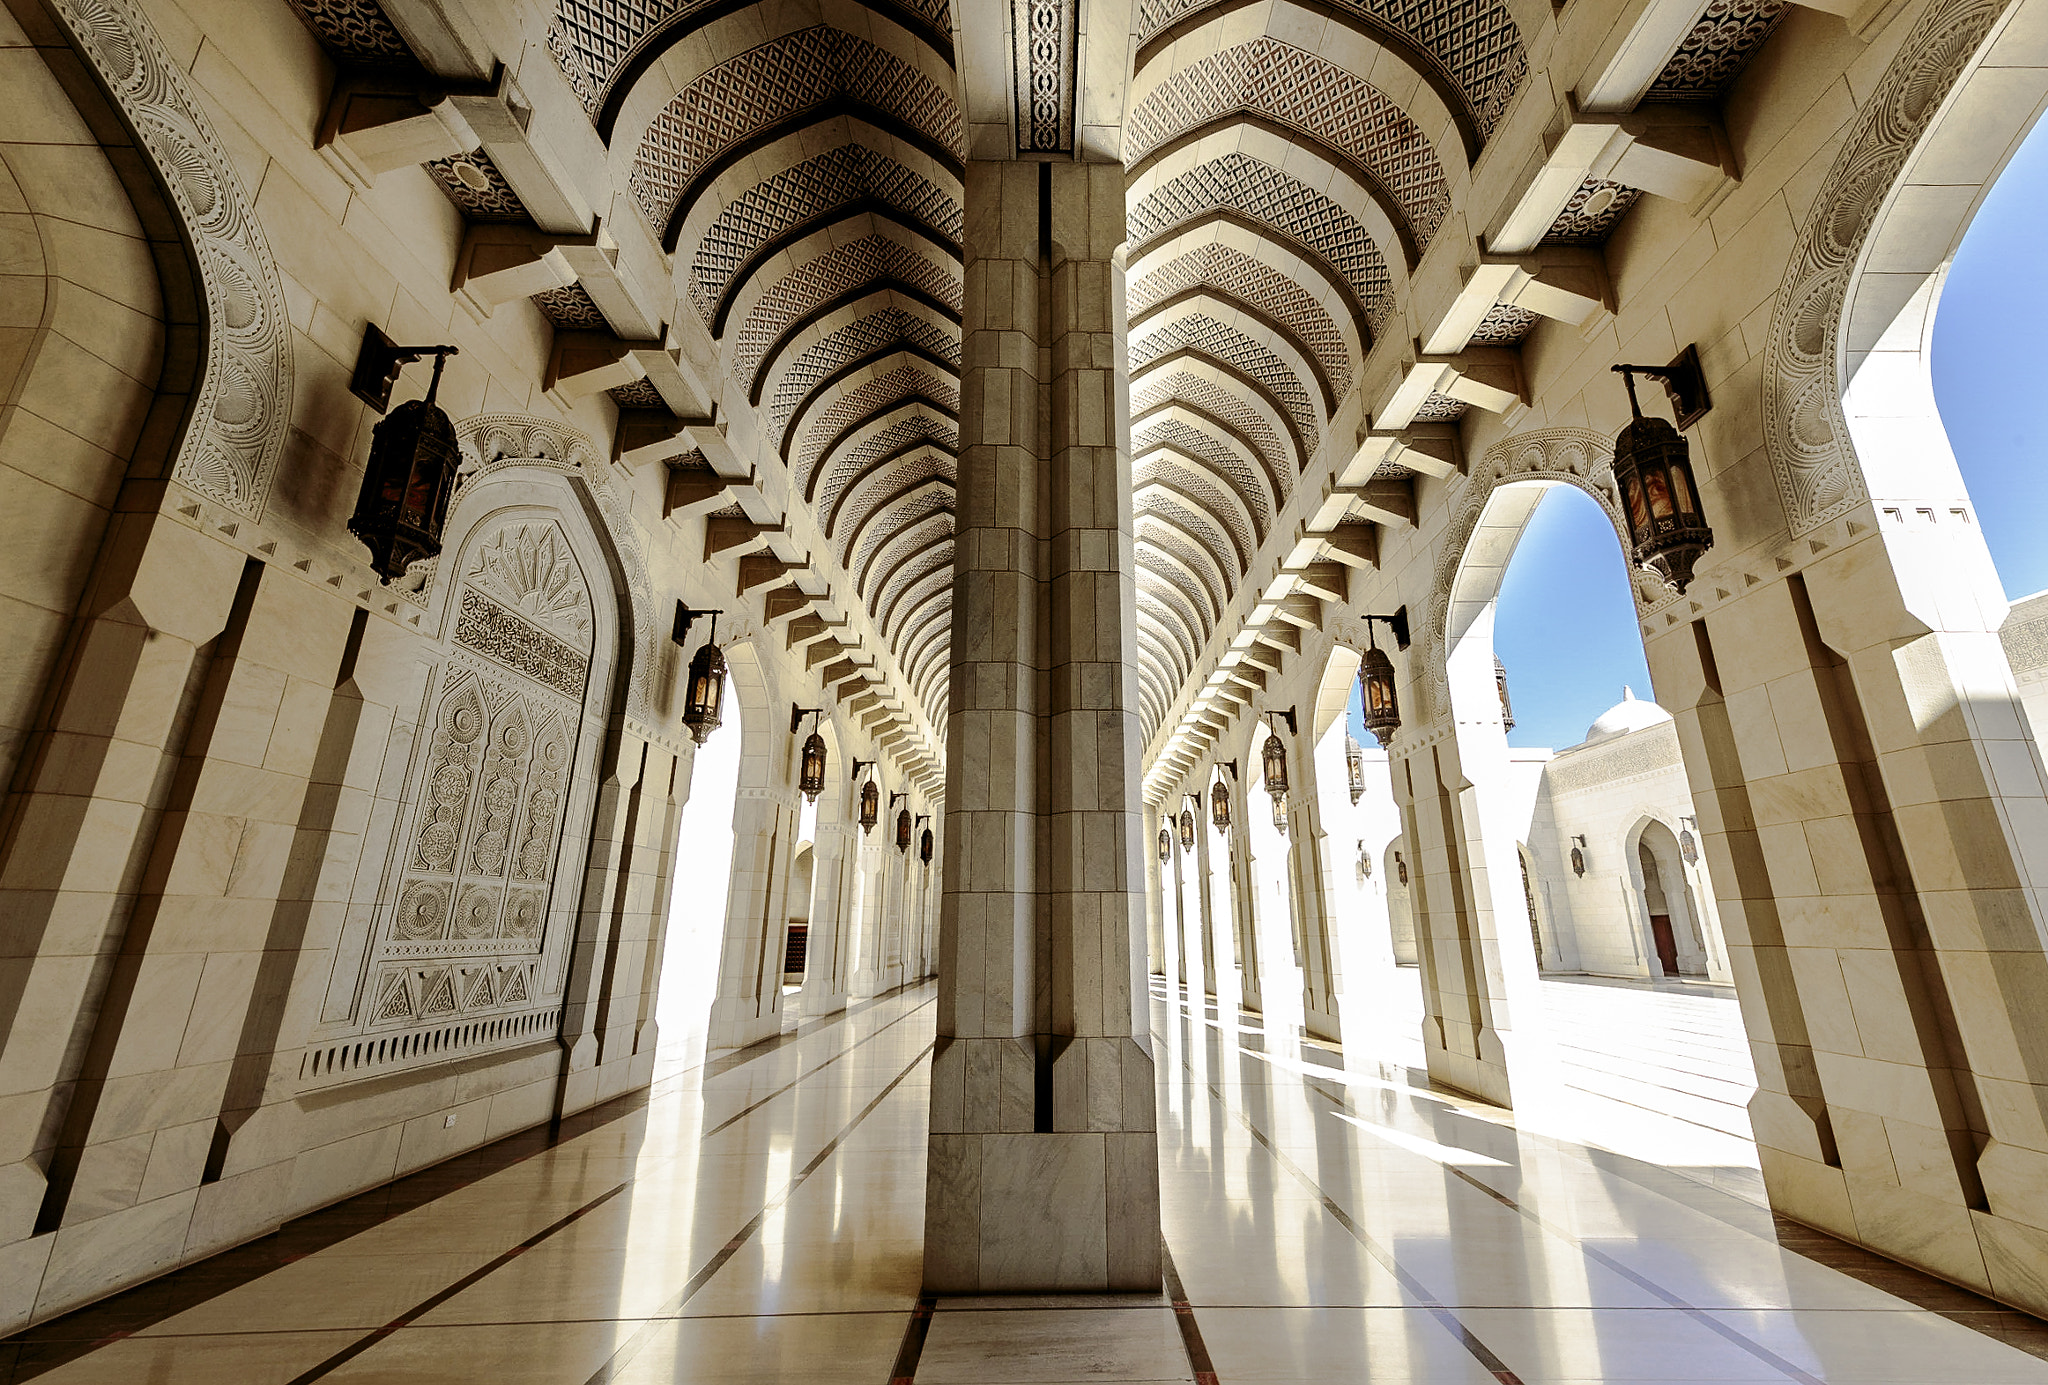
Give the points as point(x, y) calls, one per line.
point(1483, 1074)
point(866, 983)
point(735, 1025)
point(1043, 1212)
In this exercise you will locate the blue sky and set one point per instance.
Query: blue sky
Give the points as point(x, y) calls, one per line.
point(1989, 376)
point(1566, 628)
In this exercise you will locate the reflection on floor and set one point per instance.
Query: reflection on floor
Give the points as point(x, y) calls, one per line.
point(759, 1219)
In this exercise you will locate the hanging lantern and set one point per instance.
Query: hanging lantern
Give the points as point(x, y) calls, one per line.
point(1376, 688)
point(811, 771)
point(1401, 868)
point(1165, 846)
point(1219, 806)
point(1364, 861)
point(1659, 499)
point(1280, 814)
point(1688, 849)
point(705, 694)
point(1579, 856)
point(924, 847)
point(1354, 768)
point(1500, 685)
point(1187, 830)
point(409, 480)
point(870, 806)
point(903, 830)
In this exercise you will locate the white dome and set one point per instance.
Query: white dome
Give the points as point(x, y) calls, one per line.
point(1629, 714)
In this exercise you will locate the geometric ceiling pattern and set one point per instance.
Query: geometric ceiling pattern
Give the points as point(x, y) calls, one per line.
point(1289, 163)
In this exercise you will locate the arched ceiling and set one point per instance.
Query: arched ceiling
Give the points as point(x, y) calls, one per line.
point(1289, 163)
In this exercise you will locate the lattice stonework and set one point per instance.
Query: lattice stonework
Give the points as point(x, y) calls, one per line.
point(1201, 490)
point(1193, 443)
point(1047, 35)
point(1294, 211)
point(1592, 214)
point(1200, 332)
point(594, 40)
point(1721, 43)
point(1503, 325)
point(807, 192)
point(1240, 276)
point(1476, 47)
point(1155, 533)
point(354, 29)
point(476, 187)
point(1324, 102)
point(1221, 404)
point(841, 270)
point(930, 506)
point(875, 332)
point(764, 85)
point(468, 917)
point(876, 397)
point(571, 309)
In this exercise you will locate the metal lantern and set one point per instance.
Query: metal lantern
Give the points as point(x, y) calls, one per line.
point(1579, 856)
point(409, 480)
point(1219, 806)
point(1280, 814)
point(1354, 768)
point(903, 830)
point(1187, 830)
point(870, 806)
point(1401, 868)
point(1376, 687)
point(1659, 498)
point(1273, 756)
point(1500, 685)
point(811, 774)
point(1688, 849)
point(1165, 846)
point(924, 847)
point(705, 694)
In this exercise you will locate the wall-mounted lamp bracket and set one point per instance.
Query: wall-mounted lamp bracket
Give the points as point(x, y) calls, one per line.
point(894, 796)
point(859, 765)
point(1230, 765)
point(1684, 384)
point(381, 359)
point(685, 617)
point(797, 715)
point(1397, 623)
point(1292, 728)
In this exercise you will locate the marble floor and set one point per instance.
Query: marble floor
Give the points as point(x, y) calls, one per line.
point(758, 1219)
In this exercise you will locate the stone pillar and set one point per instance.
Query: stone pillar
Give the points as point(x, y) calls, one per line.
point(825, 966)
point(1044, 1162)
point(1872, 812)
point(749, 1004)
point(867, 961)
point(1155, 920)
point(1314, 934)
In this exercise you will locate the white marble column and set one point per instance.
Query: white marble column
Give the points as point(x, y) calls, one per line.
point(1044, 1164)
point(825, 964)
point(749, 1003)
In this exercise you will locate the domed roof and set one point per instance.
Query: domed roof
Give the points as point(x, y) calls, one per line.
point(1629, 714)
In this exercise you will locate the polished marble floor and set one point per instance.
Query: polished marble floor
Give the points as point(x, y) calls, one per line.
point(758, 1219)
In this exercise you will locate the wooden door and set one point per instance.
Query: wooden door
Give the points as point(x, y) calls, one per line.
point(1667, 943)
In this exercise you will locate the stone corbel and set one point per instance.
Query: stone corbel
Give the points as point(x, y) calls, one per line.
point(1303, 609)
point(694, 486)
point(788, 601)
point(828, 649)
point(585, 363)
point(1325, 582)
point(846, 678)
point(498, 263)
point(378, 119)
point(759, 569)
point(808, 628)
point(738, 535)
point(1567, 283)
point(1353, 543)
point(1676, 151)
point(1433, 449)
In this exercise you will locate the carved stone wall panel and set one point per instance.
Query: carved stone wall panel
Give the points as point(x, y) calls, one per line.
point(239, 420)
point(1804, 426)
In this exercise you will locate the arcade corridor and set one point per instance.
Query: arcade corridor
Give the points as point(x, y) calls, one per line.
point(760, 1220)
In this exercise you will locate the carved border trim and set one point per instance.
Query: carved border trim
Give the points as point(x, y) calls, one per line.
point(1805, 430)
point(236, 431)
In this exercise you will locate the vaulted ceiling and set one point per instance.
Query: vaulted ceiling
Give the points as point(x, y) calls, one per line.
point(1290, 163)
